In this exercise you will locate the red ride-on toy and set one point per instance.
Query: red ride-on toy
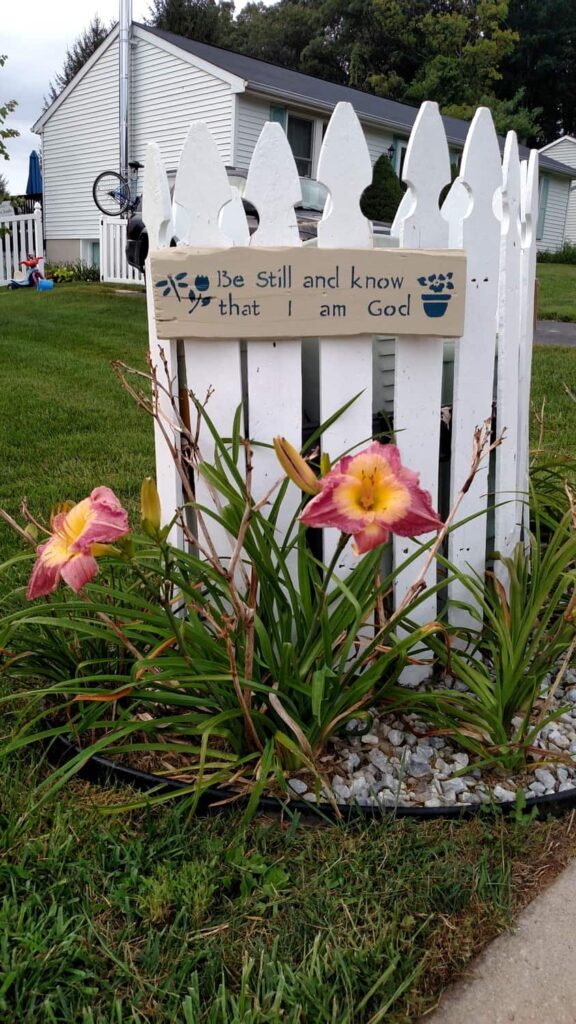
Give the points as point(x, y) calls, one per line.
point(31, 275)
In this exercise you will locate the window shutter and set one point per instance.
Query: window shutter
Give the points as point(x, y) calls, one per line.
point(278, 114)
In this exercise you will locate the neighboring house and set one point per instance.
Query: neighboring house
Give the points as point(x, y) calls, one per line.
point(563, 149)
point(175, 81)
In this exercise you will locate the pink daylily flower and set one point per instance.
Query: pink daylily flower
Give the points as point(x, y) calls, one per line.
point(370, 495)
point(77, 536)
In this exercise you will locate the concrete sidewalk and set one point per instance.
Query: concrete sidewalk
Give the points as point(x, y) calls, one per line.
point(527, 976)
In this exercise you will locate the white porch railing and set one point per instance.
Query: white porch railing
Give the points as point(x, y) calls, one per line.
point(20, 235)
point(114, 267)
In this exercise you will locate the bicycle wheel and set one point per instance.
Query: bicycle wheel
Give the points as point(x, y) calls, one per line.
point(111, 193)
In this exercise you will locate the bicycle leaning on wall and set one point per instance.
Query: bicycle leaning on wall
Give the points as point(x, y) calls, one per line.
point(115, 195)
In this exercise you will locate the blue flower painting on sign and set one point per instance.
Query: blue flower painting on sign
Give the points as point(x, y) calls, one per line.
point(178, 282)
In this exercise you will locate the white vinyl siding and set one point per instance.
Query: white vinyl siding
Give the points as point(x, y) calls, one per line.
point(554, 218)
point(570, 234)
point(167, 95)
point(564, 151)
point(81, 138)
point(79, 141)
point(251, 117)
point(378, 142)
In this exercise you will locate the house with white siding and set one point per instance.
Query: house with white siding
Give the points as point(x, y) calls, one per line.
point(174, 81)
point(563, 150)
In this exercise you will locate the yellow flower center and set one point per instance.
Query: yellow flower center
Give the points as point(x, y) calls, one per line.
point(372, 491)
point(59, 548)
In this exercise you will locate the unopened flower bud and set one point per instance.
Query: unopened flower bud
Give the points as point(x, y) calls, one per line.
point(150, 511)
point(296, 467)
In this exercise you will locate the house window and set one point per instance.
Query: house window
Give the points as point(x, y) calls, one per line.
point(299, 132)
point(455, 161)
point(278, 114)
point(400, 147)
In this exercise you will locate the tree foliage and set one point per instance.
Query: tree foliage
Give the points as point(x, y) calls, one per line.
point(451, 51)
point(76, 56)
point(207, 21)
point(543, 64)
point(516, 56)
point(6, 109)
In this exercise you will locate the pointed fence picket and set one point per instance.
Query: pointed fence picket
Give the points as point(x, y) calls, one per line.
point(274, 368)
point(157, 211)
point(474, 226)
point(508, 511)
point(212, 371)
point(419, 360)
point(345, 369)
point(489, 212)
point(529, 216)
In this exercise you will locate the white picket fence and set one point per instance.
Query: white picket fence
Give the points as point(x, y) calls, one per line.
point(20, 235)
point(490, 212)
point(114, 267)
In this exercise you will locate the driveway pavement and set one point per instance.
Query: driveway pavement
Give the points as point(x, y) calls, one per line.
point(527, 976)
point(553, 332)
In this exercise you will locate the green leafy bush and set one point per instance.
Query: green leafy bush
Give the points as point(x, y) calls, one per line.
point(567, 254)
point(77, 270)
point(382, 198)
point(523, 630)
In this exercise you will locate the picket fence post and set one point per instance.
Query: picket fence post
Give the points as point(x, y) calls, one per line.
point(157, 215)
point(274, 368)
point(419, 360)
point(345, 368)
point(38, 247)
point(529, 221)
point(508, 511)
point(473, 226)
point(212, 371)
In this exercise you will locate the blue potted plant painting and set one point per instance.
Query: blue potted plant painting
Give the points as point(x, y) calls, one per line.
point(435, 300)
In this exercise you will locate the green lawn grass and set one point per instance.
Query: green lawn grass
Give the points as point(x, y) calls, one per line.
point(66, 425)
point(556, 291)
point(151, 918)
point(554, 390)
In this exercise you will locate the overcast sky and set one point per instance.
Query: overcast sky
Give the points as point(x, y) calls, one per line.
point(34, 34)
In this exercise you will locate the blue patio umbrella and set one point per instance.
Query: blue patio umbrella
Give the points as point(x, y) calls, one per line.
point(34, 186)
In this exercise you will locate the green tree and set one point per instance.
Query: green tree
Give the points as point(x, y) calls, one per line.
point(4, 187)
point(6, 109)
point(382, 198)
point(81, 50)
point(544, 64)
point(468, 44)
point(206, 21)
point(282, 33)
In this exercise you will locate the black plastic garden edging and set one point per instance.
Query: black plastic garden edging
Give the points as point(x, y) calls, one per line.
point(103, 772)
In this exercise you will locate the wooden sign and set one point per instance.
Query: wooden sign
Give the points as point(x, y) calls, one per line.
point(305, 292)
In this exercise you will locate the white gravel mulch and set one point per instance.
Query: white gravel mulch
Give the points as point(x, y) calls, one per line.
point(398, 763)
